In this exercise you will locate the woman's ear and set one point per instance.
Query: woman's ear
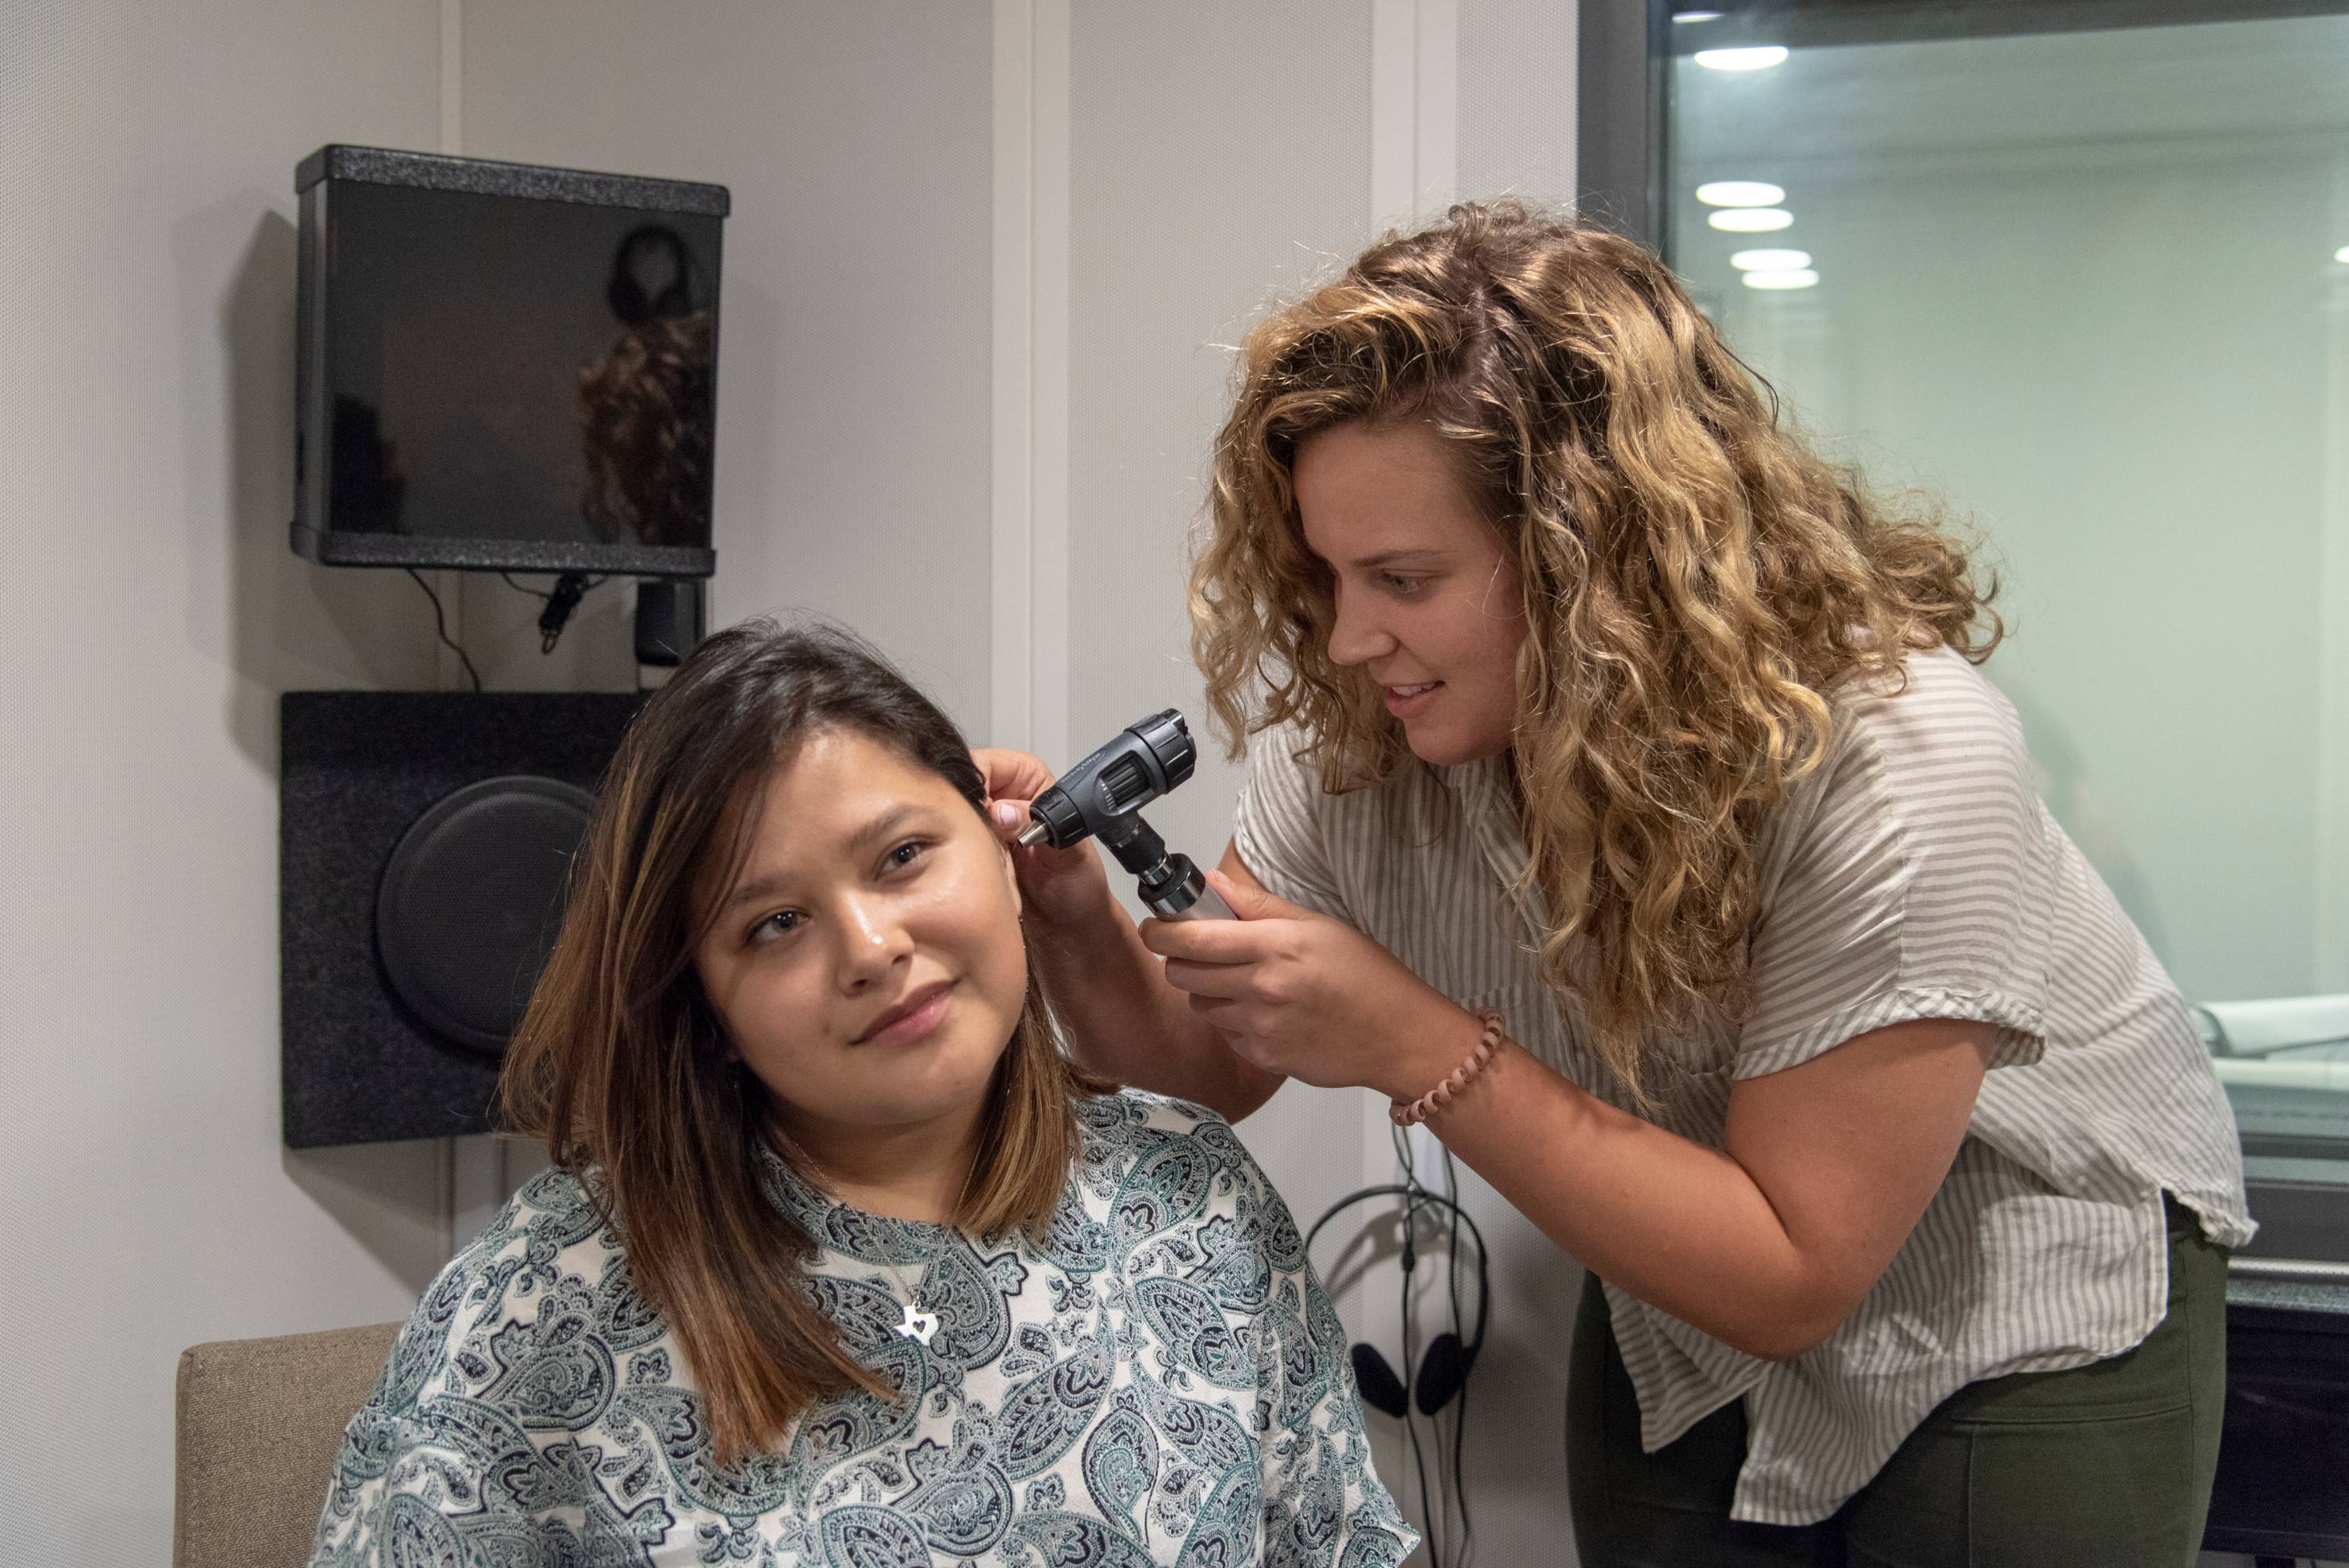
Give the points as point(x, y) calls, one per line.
point(1012, 875)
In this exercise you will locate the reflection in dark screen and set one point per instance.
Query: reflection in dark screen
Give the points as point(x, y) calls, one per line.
point(645, 407)
point(507, 369)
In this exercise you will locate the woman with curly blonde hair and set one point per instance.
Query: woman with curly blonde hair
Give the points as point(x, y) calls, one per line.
point(1624, 803)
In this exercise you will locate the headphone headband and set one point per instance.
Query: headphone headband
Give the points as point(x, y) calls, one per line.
point(1421, 1195)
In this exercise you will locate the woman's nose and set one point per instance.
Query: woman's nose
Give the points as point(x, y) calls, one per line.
point(873, 941)
point(1355, 635)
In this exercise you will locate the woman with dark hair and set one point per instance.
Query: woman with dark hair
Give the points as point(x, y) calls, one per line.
point(1625, 804)
point(840, 1261)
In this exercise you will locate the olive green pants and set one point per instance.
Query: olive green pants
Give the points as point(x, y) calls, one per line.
point(2107, 1464)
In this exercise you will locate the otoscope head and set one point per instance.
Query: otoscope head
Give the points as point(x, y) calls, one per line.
point(1101, 794)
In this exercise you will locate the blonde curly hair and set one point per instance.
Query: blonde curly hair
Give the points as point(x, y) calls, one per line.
point(1695, 581)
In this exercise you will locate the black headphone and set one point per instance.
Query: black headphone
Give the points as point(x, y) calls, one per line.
point(1443, 1370)
point(626, 294)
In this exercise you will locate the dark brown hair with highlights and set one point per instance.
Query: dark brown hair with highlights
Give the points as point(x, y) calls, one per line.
point(622, 1065)
point(1696, 580)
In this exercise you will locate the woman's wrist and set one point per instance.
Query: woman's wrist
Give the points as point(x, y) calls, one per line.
point(1489, 1039)
point(1429, 1045)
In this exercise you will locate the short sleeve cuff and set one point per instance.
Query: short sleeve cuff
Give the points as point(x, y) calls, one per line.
point(2019, 1044)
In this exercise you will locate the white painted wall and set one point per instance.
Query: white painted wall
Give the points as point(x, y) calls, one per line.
point(1204, 178)
point(1517, 80)
point(146, 455)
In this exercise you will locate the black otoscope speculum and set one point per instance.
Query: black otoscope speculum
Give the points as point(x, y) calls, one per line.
point(1102, 798)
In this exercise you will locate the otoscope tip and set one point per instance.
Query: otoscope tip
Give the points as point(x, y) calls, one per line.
point(1033, 834)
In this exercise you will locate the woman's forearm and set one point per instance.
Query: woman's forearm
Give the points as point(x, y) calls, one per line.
point(1123, 1019)
point(1679, 1225)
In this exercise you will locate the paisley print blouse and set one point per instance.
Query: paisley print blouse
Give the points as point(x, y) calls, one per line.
point(1162, 1382)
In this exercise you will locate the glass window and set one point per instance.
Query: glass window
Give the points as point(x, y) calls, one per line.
point(2091, 286)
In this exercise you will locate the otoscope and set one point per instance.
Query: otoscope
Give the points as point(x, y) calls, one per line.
point(1102, 798)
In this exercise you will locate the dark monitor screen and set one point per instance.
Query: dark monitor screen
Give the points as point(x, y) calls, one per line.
point(511, 375)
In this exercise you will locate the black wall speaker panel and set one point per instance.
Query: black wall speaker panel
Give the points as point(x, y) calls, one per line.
point(424, 839)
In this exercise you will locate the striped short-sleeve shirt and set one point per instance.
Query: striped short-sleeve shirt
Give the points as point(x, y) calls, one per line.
point(1914, 875)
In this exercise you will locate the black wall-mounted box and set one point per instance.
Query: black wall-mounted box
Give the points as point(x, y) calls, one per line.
point(503, 366)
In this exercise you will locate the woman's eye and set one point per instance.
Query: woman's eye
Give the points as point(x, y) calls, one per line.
point(1403, 587)
point(782, 923)
point(904, 855)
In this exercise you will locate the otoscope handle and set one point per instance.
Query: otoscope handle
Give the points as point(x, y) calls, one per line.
point(1177, 892)
point(1208, 905)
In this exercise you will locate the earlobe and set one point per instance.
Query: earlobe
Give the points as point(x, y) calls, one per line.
point(1011, 878)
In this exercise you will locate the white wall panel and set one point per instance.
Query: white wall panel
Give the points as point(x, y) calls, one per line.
point(1219, 157)
point(147, 256)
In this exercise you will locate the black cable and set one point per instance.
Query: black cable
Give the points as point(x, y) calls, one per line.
point(1460, 1475)
point(1410, 1194)
point(1437, 1507)
point(1467, 1544)
point(1414, 1191)
point(440, 624)
point(1410, 1425)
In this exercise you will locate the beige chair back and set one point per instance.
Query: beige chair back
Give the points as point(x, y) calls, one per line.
point(259, 1422)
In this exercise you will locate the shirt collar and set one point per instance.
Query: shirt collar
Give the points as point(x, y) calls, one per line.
point(1480, 790)
point(837, 1226)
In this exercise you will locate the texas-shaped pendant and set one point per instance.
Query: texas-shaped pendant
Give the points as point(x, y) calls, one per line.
point(918, 1325)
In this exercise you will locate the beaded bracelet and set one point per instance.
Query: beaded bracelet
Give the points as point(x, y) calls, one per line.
point(1436, 1099)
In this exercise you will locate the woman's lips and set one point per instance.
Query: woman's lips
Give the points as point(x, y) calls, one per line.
point(912, 1018)
point(1403, 699)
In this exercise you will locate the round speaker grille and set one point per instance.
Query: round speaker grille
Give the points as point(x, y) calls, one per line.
point(470, 903)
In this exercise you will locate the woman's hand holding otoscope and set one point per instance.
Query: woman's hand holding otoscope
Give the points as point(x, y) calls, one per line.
point(1293, 992)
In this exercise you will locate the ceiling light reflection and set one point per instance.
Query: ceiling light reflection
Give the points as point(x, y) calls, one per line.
point(1782, 278)
point(1740, 193)
point(1749, 219)
point(1755, 58)
point(1769, 261)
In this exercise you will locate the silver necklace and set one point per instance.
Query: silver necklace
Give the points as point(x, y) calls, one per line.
point(918, 1323)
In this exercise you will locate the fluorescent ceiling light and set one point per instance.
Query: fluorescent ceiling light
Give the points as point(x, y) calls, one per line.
point(1749, 219)
point(1740, 193)
point(1782, 278)
point(1696, 15)
point(1768, 261)
point(2341, 254)
point(1757, 58)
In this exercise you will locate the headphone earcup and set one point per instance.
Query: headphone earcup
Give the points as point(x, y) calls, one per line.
point(1442, 1371)
point(1382, 1390)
